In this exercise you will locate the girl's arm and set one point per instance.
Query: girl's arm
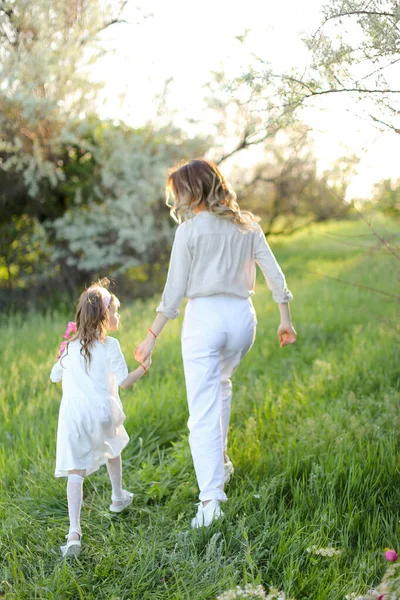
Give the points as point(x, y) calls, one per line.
point(135, 375)
point(56, 372)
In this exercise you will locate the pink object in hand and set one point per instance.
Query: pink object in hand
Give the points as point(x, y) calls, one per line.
point(391, 556)
point(61, 349)
point(71, 328)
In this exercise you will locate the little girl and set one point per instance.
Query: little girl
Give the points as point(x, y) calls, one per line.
point(213, 264)
point(90, 426)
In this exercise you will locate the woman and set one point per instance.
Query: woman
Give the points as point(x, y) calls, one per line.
point(213, 264)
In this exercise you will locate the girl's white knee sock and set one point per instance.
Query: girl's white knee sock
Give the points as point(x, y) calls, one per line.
point(74, 497)
point(114, 468)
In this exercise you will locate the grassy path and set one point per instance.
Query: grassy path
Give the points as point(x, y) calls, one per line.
point(314, 439)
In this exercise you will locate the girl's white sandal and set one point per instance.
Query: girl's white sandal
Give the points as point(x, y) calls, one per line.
point(72, 547)
point(228, 471)
point(126, 500)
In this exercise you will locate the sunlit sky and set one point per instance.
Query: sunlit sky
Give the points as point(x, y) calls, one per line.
point(187, 40)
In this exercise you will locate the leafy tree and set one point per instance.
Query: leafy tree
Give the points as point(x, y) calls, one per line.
point(45, 48)
point(45, 97)
point(286, 189)
point(355, 51)
point(21, 249)
point(281, 182)
point(126, 223)
point(387, 197)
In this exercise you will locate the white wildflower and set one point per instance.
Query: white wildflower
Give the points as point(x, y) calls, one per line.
point(275, 594)
point(329, 552)
point(249, 591)
point(254, 593)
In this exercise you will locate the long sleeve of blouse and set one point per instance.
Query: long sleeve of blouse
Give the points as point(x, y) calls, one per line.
point(178, 275)
point(270, 268)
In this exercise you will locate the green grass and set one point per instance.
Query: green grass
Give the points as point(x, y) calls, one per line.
point(314, 439)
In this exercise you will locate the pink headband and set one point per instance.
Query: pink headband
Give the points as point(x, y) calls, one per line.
point(105, 294)
point(106, 297)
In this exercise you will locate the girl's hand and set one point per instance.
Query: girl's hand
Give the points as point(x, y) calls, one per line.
point(143, 351)
point(287, 334)
point(146, 363)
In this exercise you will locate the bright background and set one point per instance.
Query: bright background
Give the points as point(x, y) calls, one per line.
point(185, 41)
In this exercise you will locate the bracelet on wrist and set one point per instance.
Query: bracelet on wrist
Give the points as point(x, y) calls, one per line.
point(144, 369)
point(153, 334)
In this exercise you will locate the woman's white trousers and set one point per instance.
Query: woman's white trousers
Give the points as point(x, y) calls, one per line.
point(217, 332)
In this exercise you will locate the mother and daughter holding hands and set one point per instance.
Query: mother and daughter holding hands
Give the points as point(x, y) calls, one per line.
point(213, 264)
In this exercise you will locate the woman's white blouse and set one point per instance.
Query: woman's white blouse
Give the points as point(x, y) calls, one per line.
point(212, 255)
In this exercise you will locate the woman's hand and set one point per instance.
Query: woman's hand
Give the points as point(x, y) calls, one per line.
point(144, 350)
point(287, 334)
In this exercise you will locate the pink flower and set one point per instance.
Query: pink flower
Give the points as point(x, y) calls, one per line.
point(61, 349)
point(71, 328)
point(391, 555)
point(381, 597)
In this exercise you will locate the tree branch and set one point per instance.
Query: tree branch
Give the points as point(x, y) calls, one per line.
point(358, 90)
point(375, 13)
point(313, 93)
point(106, 25)
point(294, 229)
point(245, 143)
point(393, 62)
point(96, 32)
point(385, 124)
point(352, 13)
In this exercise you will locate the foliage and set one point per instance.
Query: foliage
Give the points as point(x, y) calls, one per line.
point(387, 197)
point(21, 249)
point(280, 180)
point(355, 51)
point(45, 49)
point(93, 190)
point(314, 440)
point(286, 189)
point(126, 223)
point(241, 122)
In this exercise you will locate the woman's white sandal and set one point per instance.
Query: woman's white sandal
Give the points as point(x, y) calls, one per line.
point(72, 547)
point(125, 501)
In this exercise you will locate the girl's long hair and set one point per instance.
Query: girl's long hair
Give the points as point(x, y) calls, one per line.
point(92, 317)
point(200, 180)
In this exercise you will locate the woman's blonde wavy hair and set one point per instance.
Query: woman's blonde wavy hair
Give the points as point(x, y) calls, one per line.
point(200, 180)
point(92, 317)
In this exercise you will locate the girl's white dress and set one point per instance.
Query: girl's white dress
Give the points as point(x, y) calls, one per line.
point(90, 429)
